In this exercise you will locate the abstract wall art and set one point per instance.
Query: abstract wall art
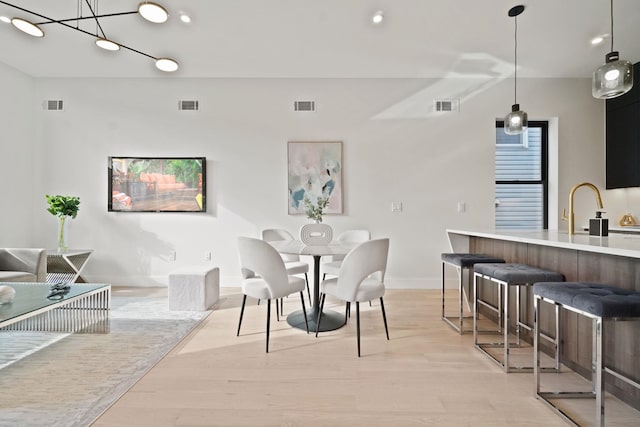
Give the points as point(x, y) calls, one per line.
point(315, 170)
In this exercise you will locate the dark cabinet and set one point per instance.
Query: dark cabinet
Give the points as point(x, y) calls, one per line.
point(623, 137)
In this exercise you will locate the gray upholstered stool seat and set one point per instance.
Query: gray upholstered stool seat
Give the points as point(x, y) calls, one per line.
point(462, 262)
point(468, 260)
point(517, 274)
point(507, 275)
point(593, 298)
point(595, 301)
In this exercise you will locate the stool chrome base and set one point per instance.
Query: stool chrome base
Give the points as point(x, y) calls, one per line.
point(597, 364)
point(456, 322)
point(506, 344)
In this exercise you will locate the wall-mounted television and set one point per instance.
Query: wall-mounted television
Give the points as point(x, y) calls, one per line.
point(157, 184)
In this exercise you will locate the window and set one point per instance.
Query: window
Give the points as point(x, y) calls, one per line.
point(521, 178)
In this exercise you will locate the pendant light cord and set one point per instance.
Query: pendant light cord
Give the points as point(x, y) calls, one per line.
point(611, 26)
point(515, 61)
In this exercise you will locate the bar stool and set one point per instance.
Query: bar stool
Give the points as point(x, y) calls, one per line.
point(505, 276)
point(599, 303)
point(462, 262)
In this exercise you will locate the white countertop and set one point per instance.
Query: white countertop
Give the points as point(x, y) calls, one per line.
point(627, 245)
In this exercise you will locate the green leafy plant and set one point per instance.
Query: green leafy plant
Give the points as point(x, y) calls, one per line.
point(315, 211)
point(63, 207)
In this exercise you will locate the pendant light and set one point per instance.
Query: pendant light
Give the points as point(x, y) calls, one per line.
point(516, 121)
point(615, 76)
point(150, 11)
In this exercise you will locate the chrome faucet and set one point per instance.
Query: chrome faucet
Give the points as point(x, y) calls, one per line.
point(571, 195)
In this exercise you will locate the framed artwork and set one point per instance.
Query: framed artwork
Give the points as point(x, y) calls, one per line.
point(315, 170)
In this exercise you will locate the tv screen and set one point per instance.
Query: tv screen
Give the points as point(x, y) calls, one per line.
point(157, 184)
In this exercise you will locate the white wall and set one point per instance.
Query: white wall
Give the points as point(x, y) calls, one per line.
point(17, 154)
point(394, 151)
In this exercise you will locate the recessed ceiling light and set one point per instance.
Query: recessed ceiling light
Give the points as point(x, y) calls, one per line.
point(377, 17)
point(185, 18)
point(597, 40)
point(5, 19)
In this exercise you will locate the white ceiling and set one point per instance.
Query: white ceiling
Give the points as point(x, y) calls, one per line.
point(327, 38)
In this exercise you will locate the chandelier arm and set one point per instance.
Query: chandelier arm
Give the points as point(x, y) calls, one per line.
point(59, 21)
point(93, 15)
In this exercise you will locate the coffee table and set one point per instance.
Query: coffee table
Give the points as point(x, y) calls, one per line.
point(84, 309)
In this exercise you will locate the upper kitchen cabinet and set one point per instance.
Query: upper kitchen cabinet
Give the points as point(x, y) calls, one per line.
point(623, 137)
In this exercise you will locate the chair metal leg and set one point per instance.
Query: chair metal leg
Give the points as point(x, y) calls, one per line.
point(347, 312)
point(304, 311)
point(277, 310)
point(269, 320)
point(244, 299)
point(358, 325)
point(322, 297)
point(384, 317)
point(306, 279)
point(324, 275)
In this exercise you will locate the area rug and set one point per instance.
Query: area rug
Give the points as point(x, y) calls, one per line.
point(52, 379)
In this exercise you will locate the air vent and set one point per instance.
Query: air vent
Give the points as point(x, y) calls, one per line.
point(53, 105)
point(447, 105)
point(188, 105)
point(304, 106)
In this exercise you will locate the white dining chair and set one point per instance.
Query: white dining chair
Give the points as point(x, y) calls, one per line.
point(350, 237)
point(291, 262)
point(360, 279)
point(270, 280)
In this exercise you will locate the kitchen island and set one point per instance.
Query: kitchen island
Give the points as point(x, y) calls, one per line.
point(613, 260)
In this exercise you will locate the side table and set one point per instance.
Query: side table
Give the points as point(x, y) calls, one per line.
point(65, 267)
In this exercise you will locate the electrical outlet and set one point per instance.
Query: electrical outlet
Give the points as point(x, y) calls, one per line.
point(396, 206)
point(207, 256)
point(462, 207)
point(172, 256)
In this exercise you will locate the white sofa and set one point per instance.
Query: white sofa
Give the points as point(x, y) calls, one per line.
point(23, 265)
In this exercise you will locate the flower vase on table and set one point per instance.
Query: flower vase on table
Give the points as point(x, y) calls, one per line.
point(317, 233)
point(63, 207)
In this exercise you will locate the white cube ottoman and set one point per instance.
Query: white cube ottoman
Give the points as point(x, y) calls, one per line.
point(194, 288)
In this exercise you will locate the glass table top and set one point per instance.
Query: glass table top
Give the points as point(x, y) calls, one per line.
point(33, 296)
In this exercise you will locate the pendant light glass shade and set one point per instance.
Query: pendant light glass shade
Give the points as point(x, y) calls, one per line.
point(516, 121)
point(613, 78)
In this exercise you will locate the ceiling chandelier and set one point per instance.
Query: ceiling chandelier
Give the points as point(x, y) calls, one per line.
point(516, 121)
point(150, 11)
point(615, 76)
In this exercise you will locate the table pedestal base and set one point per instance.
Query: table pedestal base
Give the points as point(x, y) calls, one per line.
point(331, 320)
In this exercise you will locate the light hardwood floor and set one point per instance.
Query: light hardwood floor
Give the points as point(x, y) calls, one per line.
point(426, 375)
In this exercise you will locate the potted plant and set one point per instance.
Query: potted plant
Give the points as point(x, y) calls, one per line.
point(63, 207)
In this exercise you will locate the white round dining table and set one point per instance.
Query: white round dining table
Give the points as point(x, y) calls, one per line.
point(331, 320)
